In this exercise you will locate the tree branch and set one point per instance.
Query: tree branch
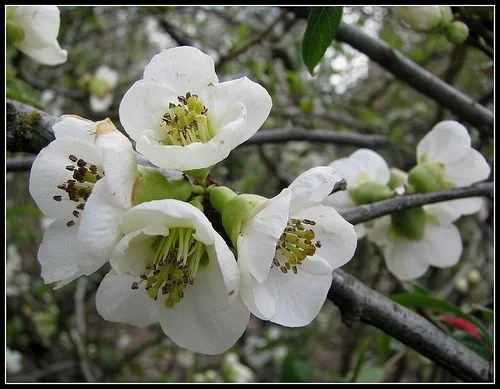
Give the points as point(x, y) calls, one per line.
point(364, 213)
point(358, 302)
point(417, 77)
point(283, 135)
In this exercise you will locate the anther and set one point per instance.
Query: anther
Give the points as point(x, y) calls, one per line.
point(73, 158)
point(57, 198)
point(70, 223)
point(76, 214)
point(135, 285)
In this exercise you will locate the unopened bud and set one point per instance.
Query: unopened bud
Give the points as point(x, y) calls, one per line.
point(420, 18)
point(457, 32)
point(428, 177)
point(446, 16)
point(462, 285)
point(398, 178)
point(370, 192)
point(474, 276)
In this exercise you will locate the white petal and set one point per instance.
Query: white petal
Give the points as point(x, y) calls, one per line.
point(40, 25)
point(100, 222)
point(379, 233)
point(349, 170)
point(471, 168)
point(120, 166)
point(299, 297)
point(341, 201)
point(101, 104)
point(75, 126)
point(107, 74)
point(60, 253)
point(255, 295)
point(312, 186)
point(253, 96)
point(191, 324)
point(181, 157)
point(337, 236)
point(143, 107)
point(446, 244)
point(407, 259)
point(48, 55)
point(447, 142)
point(116, 301)
point(257, 242)
point(171, 213)
point(48, 171)
point(373, 164)
point(449, 211)
point(183, 69)
point(361, 230)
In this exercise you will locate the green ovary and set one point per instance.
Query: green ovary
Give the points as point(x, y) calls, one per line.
point(186, 122)
point(175, 262)
point(409, 223)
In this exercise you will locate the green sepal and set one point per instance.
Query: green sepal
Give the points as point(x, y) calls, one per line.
point(199, 174)
point(219, 196)
point(370, 192)
point(409, 223)
point(237, 211)
point(428, 177)
point(397, 178)
point(153, 185)
point(15, 33)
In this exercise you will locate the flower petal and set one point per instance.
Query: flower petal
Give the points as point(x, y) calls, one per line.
point(445, 243)
point(120, 166)
point(183, 69)
point(48, 55)
point(107, 74)
point(373, 164)
point(259, 236)
point(116, 301)
point(100, 223)
point(48, 171)
point(449, 211)
point(349, 170)
point(337, 236)
point(100, 104)
point(406, 259)
point(75, 126)
point(251, 95)
point(143, 107)
point(193, 325)
point(255, 295)
point(312, 186)
point(171, 213)
point(341, 201)
point(299, 297)
point(40, 25)
point(447, 142)
point(471, 168)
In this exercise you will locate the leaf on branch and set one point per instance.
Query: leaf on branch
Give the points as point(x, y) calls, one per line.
point(321, 28)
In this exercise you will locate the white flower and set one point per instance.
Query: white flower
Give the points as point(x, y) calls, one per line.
point(181, 116)
point(289, 248)
point(171, 267)
point(13, 361)
point(105, 80)
point(235, 371)
point(36, 29)
point(63, 176)
point(408, 259)
point(448, 145)
point(361, 167)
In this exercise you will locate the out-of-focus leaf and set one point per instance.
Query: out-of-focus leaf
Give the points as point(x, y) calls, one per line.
point(473, 344)
point(419, 288)
point(371, 374)
point(320, 31)
point(293, 370)
point(23, 92)
point(415, 301)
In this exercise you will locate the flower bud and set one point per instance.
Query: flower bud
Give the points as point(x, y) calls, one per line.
point(474, 276)
point(457, 32)
point(420, 18)
point(397, 178)
point(152, 185)
point(446, 16)
point(370, 192)
point(409, 223)
point(462, 285)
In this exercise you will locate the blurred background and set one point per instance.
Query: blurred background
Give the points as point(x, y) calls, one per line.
point(57, 335)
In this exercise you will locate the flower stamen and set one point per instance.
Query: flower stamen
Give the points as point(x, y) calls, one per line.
point(176, 261)
point(295, 244)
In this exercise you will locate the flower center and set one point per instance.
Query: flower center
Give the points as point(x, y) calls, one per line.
point(186, 122)
point(80, 187)
point(295, 244)
point(175, 263)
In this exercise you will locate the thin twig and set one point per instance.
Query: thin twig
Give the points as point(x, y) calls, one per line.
point(364, 213)
point(415, 76)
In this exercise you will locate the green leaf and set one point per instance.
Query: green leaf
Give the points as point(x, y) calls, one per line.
point(414, 300)
point(473, 344)
point(23, 92)
point(320, 31)
point(293, 370)
point(371, 374)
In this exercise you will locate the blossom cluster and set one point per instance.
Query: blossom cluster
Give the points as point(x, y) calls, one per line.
point(273, 257)
point(414, 239)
